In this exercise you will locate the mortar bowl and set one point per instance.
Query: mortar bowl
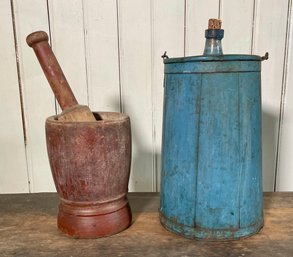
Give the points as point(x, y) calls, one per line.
point(90, 164)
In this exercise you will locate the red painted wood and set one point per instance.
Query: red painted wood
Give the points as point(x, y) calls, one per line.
point(39, 42)
point(90, 163)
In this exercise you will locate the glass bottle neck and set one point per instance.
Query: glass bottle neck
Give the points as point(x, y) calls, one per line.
point(213, 45)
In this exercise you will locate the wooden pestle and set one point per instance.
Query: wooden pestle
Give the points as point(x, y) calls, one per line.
point(71, 110)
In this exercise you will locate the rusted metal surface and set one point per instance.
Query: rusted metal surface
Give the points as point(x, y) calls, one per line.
point(90, 163)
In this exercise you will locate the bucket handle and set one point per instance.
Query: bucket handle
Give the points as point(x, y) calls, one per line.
point(165, 56)
point(265, 57)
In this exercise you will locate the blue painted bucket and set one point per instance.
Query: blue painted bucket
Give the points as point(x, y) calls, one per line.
point(211, 178)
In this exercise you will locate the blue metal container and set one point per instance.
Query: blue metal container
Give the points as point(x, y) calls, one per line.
point(211, 179)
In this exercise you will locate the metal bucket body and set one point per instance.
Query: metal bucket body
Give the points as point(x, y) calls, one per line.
point(211, 178)
point(90, 164)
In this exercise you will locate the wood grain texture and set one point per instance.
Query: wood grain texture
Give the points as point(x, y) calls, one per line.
point(269, 36)
point(28, 228)
point(211, 181)
point(67, 38)
point(90, 163)
point(39, 101)
point(116, 48)
point(238, 26)
point(134, 19)
point(284, 178)
point(102, 54)
point(198, 12)
point(167, 35)
point(13, 169)
point(71, 110)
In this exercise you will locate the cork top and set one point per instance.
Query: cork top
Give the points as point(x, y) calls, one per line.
point(215, 24)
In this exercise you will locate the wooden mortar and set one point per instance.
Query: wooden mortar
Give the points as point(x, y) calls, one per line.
point(89, 155)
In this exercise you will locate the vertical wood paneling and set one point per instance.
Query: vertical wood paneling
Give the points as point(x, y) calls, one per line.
point(270, 34)
point(67, 38)
point(135, 60)
point(198, 12)
point(101, 37)
point(167, 35)
point(110, 51)
point(284, 178)
point(38, 99)
point(237, 17)
point(13, 170)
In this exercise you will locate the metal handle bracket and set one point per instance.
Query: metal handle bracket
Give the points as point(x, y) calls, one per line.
point(265, 57)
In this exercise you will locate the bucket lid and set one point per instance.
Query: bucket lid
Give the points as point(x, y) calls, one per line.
point(214, 58)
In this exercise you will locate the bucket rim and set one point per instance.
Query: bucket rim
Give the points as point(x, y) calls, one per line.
point(214, 58)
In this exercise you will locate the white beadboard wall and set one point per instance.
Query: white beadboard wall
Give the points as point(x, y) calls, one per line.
point(110, 53)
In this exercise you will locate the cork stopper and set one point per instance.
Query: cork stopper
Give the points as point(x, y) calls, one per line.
point(215, 24)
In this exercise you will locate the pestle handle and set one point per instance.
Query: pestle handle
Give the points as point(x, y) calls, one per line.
point(39, 42)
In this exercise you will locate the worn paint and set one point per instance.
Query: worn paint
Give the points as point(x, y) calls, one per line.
point(211, 184)
point(90, 164)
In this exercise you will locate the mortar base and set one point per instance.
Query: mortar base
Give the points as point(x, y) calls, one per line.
point(94, 226)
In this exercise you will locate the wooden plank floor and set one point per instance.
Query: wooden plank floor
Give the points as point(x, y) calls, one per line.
point(28, 228)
